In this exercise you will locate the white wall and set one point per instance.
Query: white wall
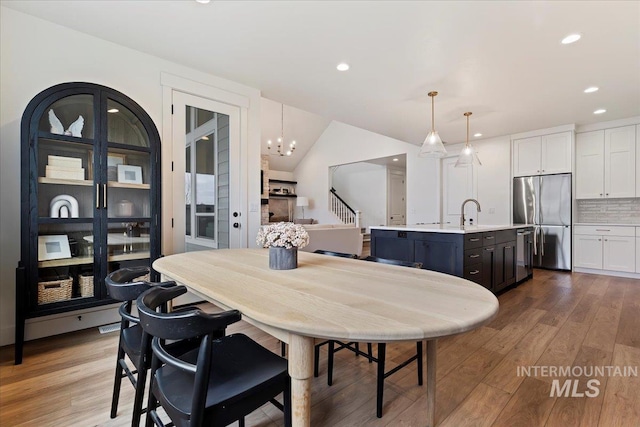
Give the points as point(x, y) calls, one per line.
point(36, 54)
point(341, 144)
point(363, 186)
point(494, 181)
point(282, 175)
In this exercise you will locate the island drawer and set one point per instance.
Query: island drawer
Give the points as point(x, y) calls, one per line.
point(489, 238)
point(503, 236)
point(473, 240)
point(473, 273)
point(472, 256)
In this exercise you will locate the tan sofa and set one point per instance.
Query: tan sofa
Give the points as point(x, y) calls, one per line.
point(334, 237)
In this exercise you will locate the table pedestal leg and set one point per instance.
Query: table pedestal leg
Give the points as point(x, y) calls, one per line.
point(300, 370)
point(431, 383)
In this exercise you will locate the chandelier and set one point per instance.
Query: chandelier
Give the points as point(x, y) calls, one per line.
point(280, 150)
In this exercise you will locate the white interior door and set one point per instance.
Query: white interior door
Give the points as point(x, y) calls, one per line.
point(206, 174)
point(396, 197)
point(458, 184)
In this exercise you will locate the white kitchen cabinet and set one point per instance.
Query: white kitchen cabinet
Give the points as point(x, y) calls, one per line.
point(541, 155)
point(588, 252)
point(606, 163)
point(605, 248)
point(590, 165)
point(620, 162)
point(619, 253)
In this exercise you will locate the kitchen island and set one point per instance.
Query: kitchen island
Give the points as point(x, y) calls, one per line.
point(484, 254)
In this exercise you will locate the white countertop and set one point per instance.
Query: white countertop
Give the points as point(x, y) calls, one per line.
point(606, 224)
point(448, 228)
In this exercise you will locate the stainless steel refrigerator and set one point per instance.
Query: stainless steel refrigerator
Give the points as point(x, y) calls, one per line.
point(544, 202)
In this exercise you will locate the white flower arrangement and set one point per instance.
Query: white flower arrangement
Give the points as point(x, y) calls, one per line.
point(282, 235)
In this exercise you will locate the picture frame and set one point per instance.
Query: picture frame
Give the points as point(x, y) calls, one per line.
point(129, 174)
point(113, 160)
point(53, 247)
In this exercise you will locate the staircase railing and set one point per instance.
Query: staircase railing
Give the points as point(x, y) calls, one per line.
point(342, 210)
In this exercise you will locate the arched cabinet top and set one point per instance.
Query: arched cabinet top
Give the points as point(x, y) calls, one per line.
point(90, 111)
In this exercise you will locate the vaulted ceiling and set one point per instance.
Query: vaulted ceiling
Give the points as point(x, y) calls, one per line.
point(502, 60)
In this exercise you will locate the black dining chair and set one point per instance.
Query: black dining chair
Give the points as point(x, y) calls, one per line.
point(332, 346)
point(333, 253)
point(381, 375)
point(123, 286)
point(221, 381)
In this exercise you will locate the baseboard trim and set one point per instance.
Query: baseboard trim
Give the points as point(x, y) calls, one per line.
point(607, 273)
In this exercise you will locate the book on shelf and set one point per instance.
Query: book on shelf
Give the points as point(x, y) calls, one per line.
point(64, 172)
point(64, 162)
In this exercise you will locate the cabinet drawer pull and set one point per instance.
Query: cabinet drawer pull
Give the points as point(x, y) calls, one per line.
point(489, 237)
point(474, 272)
point(474, 240)
point(97, 196)
point(489, 249)
point(474, 256)
point(104, 195)
point(507, 247)
point(601, 229)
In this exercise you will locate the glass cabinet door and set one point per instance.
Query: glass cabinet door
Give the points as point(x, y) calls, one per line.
point(129, 177)
point(66, 200)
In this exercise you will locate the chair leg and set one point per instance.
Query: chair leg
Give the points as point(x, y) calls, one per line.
point(370, 351)
point(287, 404)
point(152, 402)
point(316, 361)
point(357, 349)
point(382, 350)
point(117, 381)
point(330, 353)
point(137, 402)
point(241, 422)
point(419, 352)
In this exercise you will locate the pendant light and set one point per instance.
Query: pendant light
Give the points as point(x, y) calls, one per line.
point(432, 145)
point(280, 149)
point(468, 155)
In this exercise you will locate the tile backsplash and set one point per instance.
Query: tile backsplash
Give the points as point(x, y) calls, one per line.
point(609, 211)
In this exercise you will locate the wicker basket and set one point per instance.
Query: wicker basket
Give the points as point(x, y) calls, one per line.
point(86, 285)
point(55, 290)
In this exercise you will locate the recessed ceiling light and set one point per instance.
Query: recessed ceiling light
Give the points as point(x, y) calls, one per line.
point(600, 111)
point(343, 66)
point(205, 138)
point(203, 1)
point(571, 38)
point(591, 89)
point(112, 110)
point(477, 135)
point(395, 160)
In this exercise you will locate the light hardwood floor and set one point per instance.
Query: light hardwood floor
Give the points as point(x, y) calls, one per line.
point(556, 319)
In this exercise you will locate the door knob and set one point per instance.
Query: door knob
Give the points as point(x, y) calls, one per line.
point(236, 225)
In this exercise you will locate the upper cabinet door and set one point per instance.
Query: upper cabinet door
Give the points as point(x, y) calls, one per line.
point(527, 154)
point(556, 153)
point(590, 165)
point(620, 162)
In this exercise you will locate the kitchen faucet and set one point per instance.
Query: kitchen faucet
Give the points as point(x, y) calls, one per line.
point(462, 210)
